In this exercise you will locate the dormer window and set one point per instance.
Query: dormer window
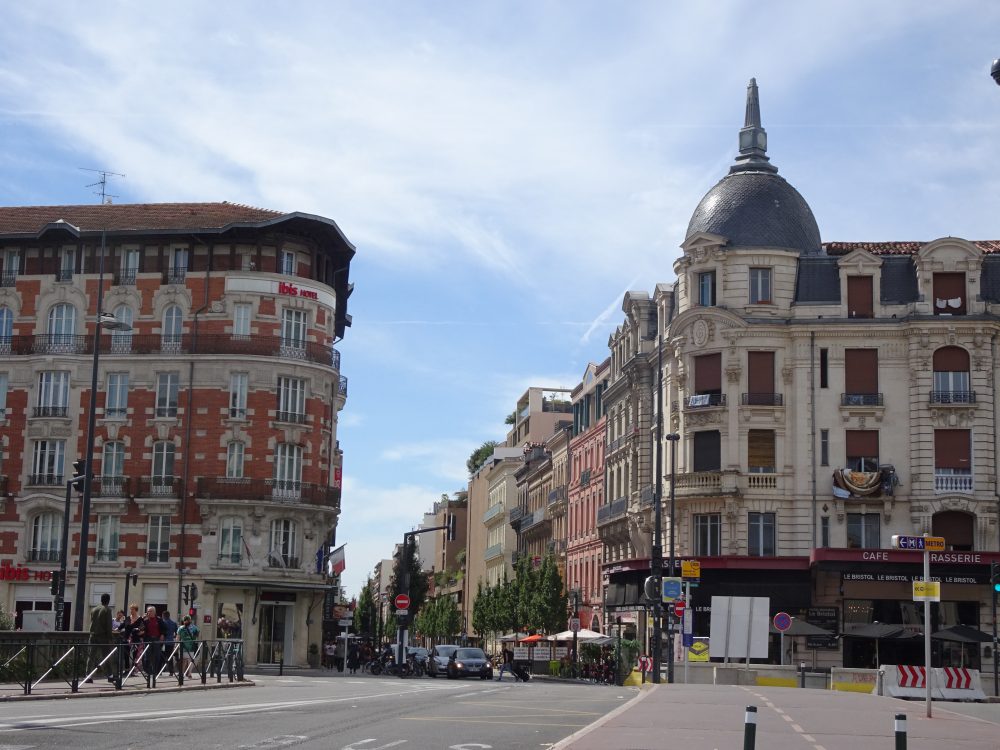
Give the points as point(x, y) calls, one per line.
point(949, 294)
point(706, 289)
point(860, 297)
point(760, 286)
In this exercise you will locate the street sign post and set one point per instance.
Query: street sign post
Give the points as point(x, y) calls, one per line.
point(574, 624)
point(919, 543)
point(782, 621)
point(402, 601)
point(690, 569)
point(926, 591)
point(679, 607)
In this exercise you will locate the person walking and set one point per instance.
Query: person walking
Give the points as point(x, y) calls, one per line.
point(100, 637)
point(352, 658)
point(187, 633)
point(507, 664)
point(153, 639)
point(169, 634)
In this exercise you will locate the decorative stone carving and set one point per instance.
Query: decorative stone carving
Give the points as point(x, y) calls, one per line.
point(698, 418)
point(953, 416)
point(787, 374)
point(700, 332)
point(733, 371)
point(218, 307)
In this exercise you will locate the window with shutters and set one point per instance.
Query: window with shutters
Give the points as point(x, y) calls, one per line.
point(706, 289)
point(708, 534)
point(951, 377)
point(760, 452)
point(707, 381)
point(760, 380)
point(861, 378)
point(953, 461)
point(707, 451)
point(761, 534)
point(860, 297)
point(862, 450)
point(863, 531)
point(949, 294)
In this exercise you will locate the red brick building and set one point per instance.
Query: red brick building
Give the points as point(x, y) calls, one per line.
point(216, 458)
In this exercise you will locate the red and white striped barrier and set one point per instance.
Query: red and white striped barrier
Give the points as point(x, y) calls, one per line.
point(957, 678)
point(911, 677)
point(948, 683)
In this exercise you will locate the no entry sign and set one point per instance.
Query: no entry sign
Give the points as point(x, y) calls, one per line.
point(402, 601)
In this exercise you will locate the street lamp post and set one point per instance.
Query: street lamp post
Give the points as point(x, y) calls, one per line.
point(673, 437)
point(656, 553)
point(104, 320)
point(995, 71)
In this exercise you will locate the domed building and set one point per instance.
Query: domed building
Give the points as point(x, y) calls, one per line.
point(823, 397)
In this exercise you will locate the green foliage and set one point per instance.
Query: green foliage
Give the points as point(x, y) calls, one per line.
point(6, 620)
point(439, 619)
point(590, 653)
point(479, 456)
point(551, 598)
point(511, 418)
point(366, 613)
point(418, 581)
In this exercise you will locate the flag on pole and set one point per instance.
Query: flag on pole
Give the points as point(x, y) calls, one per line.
point(337, 561)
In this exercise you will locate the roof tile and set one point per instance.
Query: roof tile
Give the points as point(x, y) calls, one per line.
point(897, 248)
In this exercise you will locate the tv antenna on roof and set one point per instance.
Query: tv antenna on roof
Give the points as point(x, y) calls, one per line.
point(103, 183)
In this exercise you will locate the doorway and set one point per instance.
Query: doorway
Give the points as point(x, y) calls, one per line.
point(274, 632)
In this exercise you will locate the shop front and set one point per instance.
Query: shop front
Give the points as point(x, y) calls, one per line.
point(881, 624)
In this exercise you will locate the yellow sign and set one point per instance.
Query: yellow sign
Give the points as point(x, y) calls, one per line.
point(690, 569)
point(926, 591)
point(934, 543)
point(698, 651)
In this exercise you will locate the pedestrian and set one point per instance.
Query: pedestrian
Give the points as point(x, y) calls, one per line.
point(153, 638)
point(352, 658)
point(169, 634)
point(100, 637)
point(132, 631)
point(187, 634)
point(506, 663)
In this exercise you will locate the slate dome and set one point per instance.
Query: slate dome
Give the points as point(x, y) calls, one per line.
point(752, 206)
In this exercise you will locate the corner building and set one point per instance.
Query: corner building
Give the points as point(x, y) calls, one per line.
point(216, 457)
point(827, 396)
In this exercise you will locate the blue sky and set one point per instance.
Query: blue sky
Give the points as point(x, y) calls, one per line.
point(506, 169)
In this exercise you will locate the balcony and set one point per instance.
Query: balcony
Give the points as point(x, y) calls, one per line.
point(168, 486)
point(699, 483)
point(153, 344)
point(125, 277)
point(534, 519)
point(559, 493)
point(291, 417)
point(110, 486)
point(492, 512)
point(612, 510)
point(703, 400)
point(45, 480)
point(760, 480)
point(862, 399)
point(49, 411)
point(763, 399)
point(953, 483)
point(43, 555)
point(8, 278)
point(64, 274)
point(158, 555)
point(647, 495)
point(175, 275)
point(585, 478)
point(555, 546)
point(960, 398)
point(492, 552)
point(275, 490)
point(281, 562)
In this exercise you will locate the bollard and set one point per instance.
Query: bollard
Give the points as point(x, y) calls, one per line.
point(802, 674)
point(281, 666)
point(900, 725)
point(880, 682)
point(750, 728)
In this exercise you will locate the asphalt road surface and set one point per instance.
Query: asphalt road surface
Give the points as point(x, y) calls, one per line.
point(331, 711)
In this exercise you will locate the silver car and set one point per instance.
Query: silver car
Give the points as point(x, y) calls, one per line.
point(437, 661)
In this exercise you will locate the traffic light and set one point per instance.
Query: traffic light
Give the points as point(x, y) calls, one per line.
point(651, 588)
point(79, 469)
point(452, 526)
point(56, 577)
point(192, 611)
point(186, 589)
point(194, 592)
point(995, 576)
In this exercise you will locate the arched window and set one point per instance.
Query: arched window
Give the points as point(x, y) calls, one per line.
point(173, 328)
point(281, 549)
point(163, 468)
point(234, 460)
point(61, 329)
point(121, 341)
point(951, 377)
point(46, 537)
point(231, 540)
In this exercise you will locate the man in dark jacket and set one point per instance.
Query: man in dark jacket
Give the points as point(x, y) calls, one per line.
point(101, 637)
point(155, 634)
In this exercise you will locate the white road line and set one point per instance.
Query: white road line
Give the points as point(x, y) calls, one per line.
point(787, 718)
point(808, 738)
point(779, 712)
point(797, 728)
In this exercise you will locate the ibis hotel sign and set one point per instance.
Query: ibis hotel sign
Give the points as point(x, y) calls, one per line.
point(277, 288)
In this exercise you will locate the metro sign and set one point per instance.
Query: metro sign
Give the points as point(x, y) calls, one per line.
point(919, 543)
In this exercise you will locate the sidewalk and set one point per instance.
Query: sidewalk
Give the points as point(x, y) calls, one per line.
point(706, 717)
point(100, 687)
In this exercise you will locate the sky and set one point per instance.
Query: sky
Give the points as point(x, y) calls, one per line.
point(506, 170)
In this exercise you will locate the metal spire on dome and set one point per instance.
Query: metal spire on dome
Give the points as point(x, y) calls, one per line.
point(753, 138)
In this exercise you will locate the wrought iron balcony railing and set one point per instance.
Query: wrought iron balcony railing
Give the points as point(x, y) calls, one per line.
point(862, 399)
point(702, 400)
point(125, 277)
point(762, 399)
point(492, 512)
point(175, 275)
point(282, 561)
point(49, 411)
point(8, 278)
point(110, 486)
point(43, 555)
point(45, 480)
point(160, 487)
point(292, 417)
point(612, 510)
point(953, 397)
point(276, 490)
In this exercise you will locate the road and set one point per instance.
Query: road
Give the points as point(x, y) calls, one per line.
point(331, 711)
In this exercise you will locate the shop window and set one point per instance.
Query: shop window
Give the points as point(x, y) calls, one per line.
point(706, 289)
point(862, 450)
point(951, 377)
point(949, 294)
point(861, 378)
point(708, 534)
point(760, 452)
point(953, 461)
point(761, 534)
point(760, 286)
point(707, 451)
point(860, 297)
point(863, 531)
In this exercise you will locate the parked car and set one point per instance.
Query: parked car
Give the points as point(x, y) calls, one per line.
point(469, 662)
point(437, 661)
